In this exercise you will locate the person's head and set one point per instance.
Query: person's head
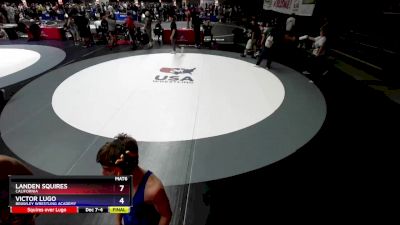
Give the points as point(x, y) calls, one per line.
point(121, 156)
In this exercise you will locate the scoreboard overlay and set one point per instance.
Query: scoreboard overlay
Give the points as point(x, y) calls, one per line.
point(70, 194)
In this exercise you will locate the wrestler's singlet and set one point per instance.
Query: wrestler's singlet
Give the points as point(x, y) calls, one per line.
point(141, 213)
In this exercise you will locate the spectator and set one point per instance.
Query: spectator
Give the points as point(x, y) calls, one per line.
point(290, 23)
point(83, 28)
point(158, 31)
point(103, 28)
point(207, 27)
point(73, 29)
point(267, 50)
point(112, 23)
point(253, 35)
point(316, 60)
point(147, 28)
point(3, 15)
point(196, 22)
point(130, 25)
point(174, 34)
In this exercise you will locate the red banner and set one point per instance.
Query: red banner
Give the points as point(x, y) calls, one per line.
point(298, 7)
point(43, 210)
point(286, 4)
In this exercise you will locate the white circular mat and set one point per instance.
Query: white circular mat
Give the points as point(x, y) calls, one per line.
point(13, 60)
point(160, 98)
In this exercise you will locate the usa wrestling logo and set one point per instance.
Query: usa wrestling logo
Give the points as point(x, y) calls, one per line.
point(178, 75)
point(177, 71)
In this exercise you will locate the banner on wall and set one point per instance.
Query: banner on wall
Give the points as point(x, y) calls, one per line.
point(298, 7)
point(208, 2)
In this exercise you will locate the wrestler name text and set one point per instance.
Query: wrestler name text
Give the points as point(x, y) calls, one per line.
point(40, 186)
point(35, 198)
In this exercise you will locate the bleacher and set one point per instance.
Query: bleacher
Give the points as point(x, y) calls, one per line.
point(368, 53)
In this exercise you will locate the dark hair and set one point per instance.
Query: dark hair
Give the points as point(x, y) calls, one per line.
point(128, 141)
point(110, 152)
